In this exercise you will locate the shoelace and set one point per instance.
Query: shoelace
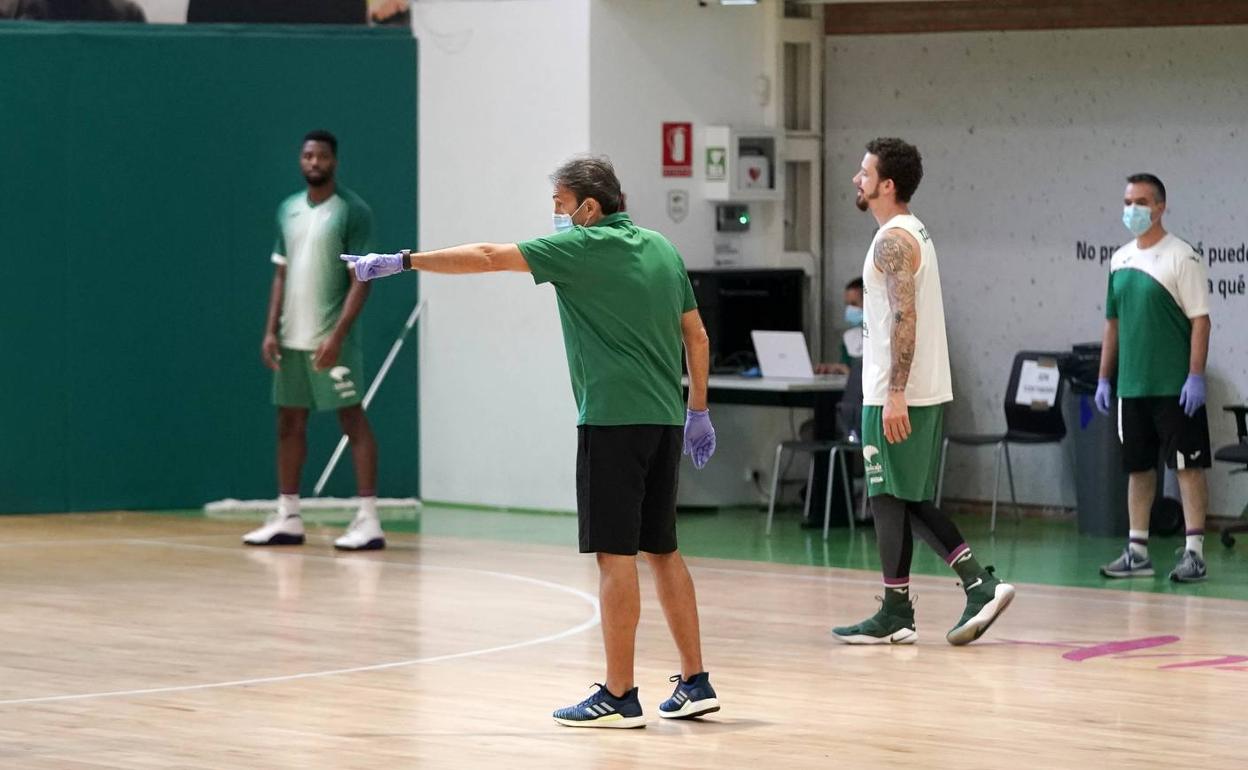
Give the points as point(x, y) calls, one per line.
point(912, 598)
point(602, 688)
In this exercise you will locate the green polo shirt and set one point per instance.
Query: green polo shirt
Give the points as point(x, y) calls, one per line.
point(621, 291)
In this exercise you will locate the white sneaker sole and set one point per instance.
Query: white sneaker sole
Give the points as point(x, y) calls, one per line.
point(904, 636)
point(612, 721)
point(376, 544)
point(281, 538)
point(692, 708)
point(1179, 579)
point(1149, 572)
point(977, 625)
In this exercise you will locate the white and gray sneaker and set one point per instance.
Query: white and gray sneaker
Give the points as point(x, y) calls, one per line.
point(364, 534)
point(1128, 565)
point(279, 528)
point(1190, 569)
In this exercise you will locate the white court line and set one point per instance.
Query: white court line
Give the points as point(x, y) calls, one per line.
point(585, 625)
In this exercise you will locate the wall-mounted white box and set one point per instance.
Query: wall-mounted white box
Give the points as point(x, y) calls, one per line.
point(742, 165)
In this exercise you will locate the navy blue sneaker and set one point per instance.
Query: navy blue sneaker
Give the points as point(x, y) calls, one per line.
point(693, 697)
point(602, 709)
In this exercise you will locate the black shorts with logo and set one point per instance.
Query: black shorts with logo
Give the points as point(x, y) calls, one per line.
point(626, 478)
point(1151, 425)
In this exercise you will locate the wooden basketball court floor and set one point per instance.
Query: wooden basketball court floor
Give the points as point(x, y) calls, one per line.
point(142, 641)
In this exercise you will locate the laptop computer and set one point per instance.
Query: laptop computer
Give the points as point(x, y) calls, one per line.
point(783, 355)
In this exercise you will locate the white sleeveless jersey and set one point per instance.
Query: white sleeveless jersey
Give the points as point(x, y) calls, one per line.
point(930, 382)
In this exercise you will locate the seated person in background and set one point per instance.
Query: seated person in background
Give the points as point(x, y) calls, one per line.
point(851, 340)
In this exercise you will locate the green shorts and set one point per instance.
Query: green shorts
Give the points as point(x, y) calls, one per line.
point(297, 384)
point(906, 470)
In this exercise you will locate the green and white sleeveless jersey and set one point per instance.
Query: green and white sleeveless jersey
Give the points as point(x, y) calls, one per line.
point(1155, 293)
point(309, 240)
point(930, 382)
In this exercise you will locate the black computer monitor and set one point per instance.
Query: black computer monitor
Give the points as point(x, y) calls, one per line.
point(735, 302)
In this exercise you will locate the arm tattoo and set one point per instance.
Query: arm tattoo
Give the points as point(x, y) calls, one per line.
point(893, 257)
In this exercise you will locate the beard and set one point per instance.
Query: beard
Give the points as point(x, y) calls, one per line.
point(318, 178)
point(862, 200)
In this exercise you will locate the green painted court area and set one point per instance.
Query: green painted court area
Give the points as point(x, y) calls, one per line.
point(1048, 551)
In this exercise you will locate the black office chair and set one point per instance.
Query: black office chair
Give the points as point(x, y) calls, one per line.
point(835, 450)
point(849, 418)
point(1037, 422)
point(1236, 454)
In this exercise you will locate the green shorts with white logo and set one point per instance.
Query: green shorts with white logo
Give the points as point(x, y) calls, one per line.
point(298, 384)
point(906, 470)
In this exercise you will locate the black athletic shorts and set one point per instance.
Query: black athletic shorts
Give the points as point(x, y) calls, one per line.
point(1157, 424)
point(626, 478)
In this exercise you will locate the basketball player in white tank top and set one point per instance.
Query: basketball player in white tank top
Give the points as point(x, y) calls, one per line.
point(905, 384)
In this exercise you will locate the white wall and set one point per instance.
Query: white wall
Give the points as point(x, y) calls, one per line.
point(504, 98)
point(508, 90)
point(653, 61)
point(1027, 138)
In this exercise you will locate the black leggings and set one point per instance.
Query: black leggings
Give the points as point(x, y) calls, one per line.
point(897, 519)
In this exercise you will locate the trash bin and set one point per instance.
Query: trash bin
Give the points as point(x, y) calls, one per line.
point(1100, 484)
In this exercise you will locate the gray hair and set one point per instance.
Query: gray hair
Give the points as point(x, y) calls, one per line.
point(591, 176)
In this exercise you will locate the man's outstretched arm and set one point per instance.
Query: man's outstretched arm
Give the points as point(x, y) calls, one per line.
point(469, 258)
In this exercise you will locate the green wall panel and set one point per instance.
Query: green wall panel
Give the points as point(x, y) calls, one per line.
point(140, 169)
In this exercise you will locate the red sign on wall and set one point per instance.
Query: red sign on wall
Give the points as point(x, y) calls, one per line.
point(677, 149)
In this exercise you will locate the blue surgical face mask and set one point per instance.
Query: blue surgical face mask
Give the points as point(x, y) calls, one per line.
point(563, 222)
point(853, 315)
point(1137, 218)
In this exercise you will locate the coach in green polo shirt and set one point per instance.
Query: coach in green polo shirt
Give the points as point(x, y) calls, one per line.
point(1157, 343)
point(627, 310)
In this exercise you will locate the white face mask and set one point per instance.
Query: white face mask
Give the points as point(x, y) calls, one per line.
point(1137, 219)
point(563, 222)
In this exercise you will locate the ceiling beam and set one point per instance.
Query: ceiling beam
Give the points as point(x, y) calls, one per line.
point(889, 18)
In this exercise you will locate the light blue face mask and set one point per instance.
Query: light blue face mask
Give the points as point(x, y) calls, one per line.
point(853, 315)
point(563, 222)
point(1137, 219)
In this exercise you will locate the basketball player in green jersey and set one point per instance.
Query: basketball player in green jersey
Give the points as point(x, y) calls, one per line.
point(310, 343)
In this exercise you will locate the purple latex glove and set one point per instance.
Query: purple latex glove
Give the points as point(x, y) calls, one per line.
point(372, 266)
point(1102, 397)
point(699, 436)
point(1192, 397)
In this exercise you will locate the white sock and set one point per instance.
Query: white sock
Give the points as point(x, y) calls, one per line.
point(368, 507)
point(288, 504)
point(1137, 541)
point(1196, 543)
